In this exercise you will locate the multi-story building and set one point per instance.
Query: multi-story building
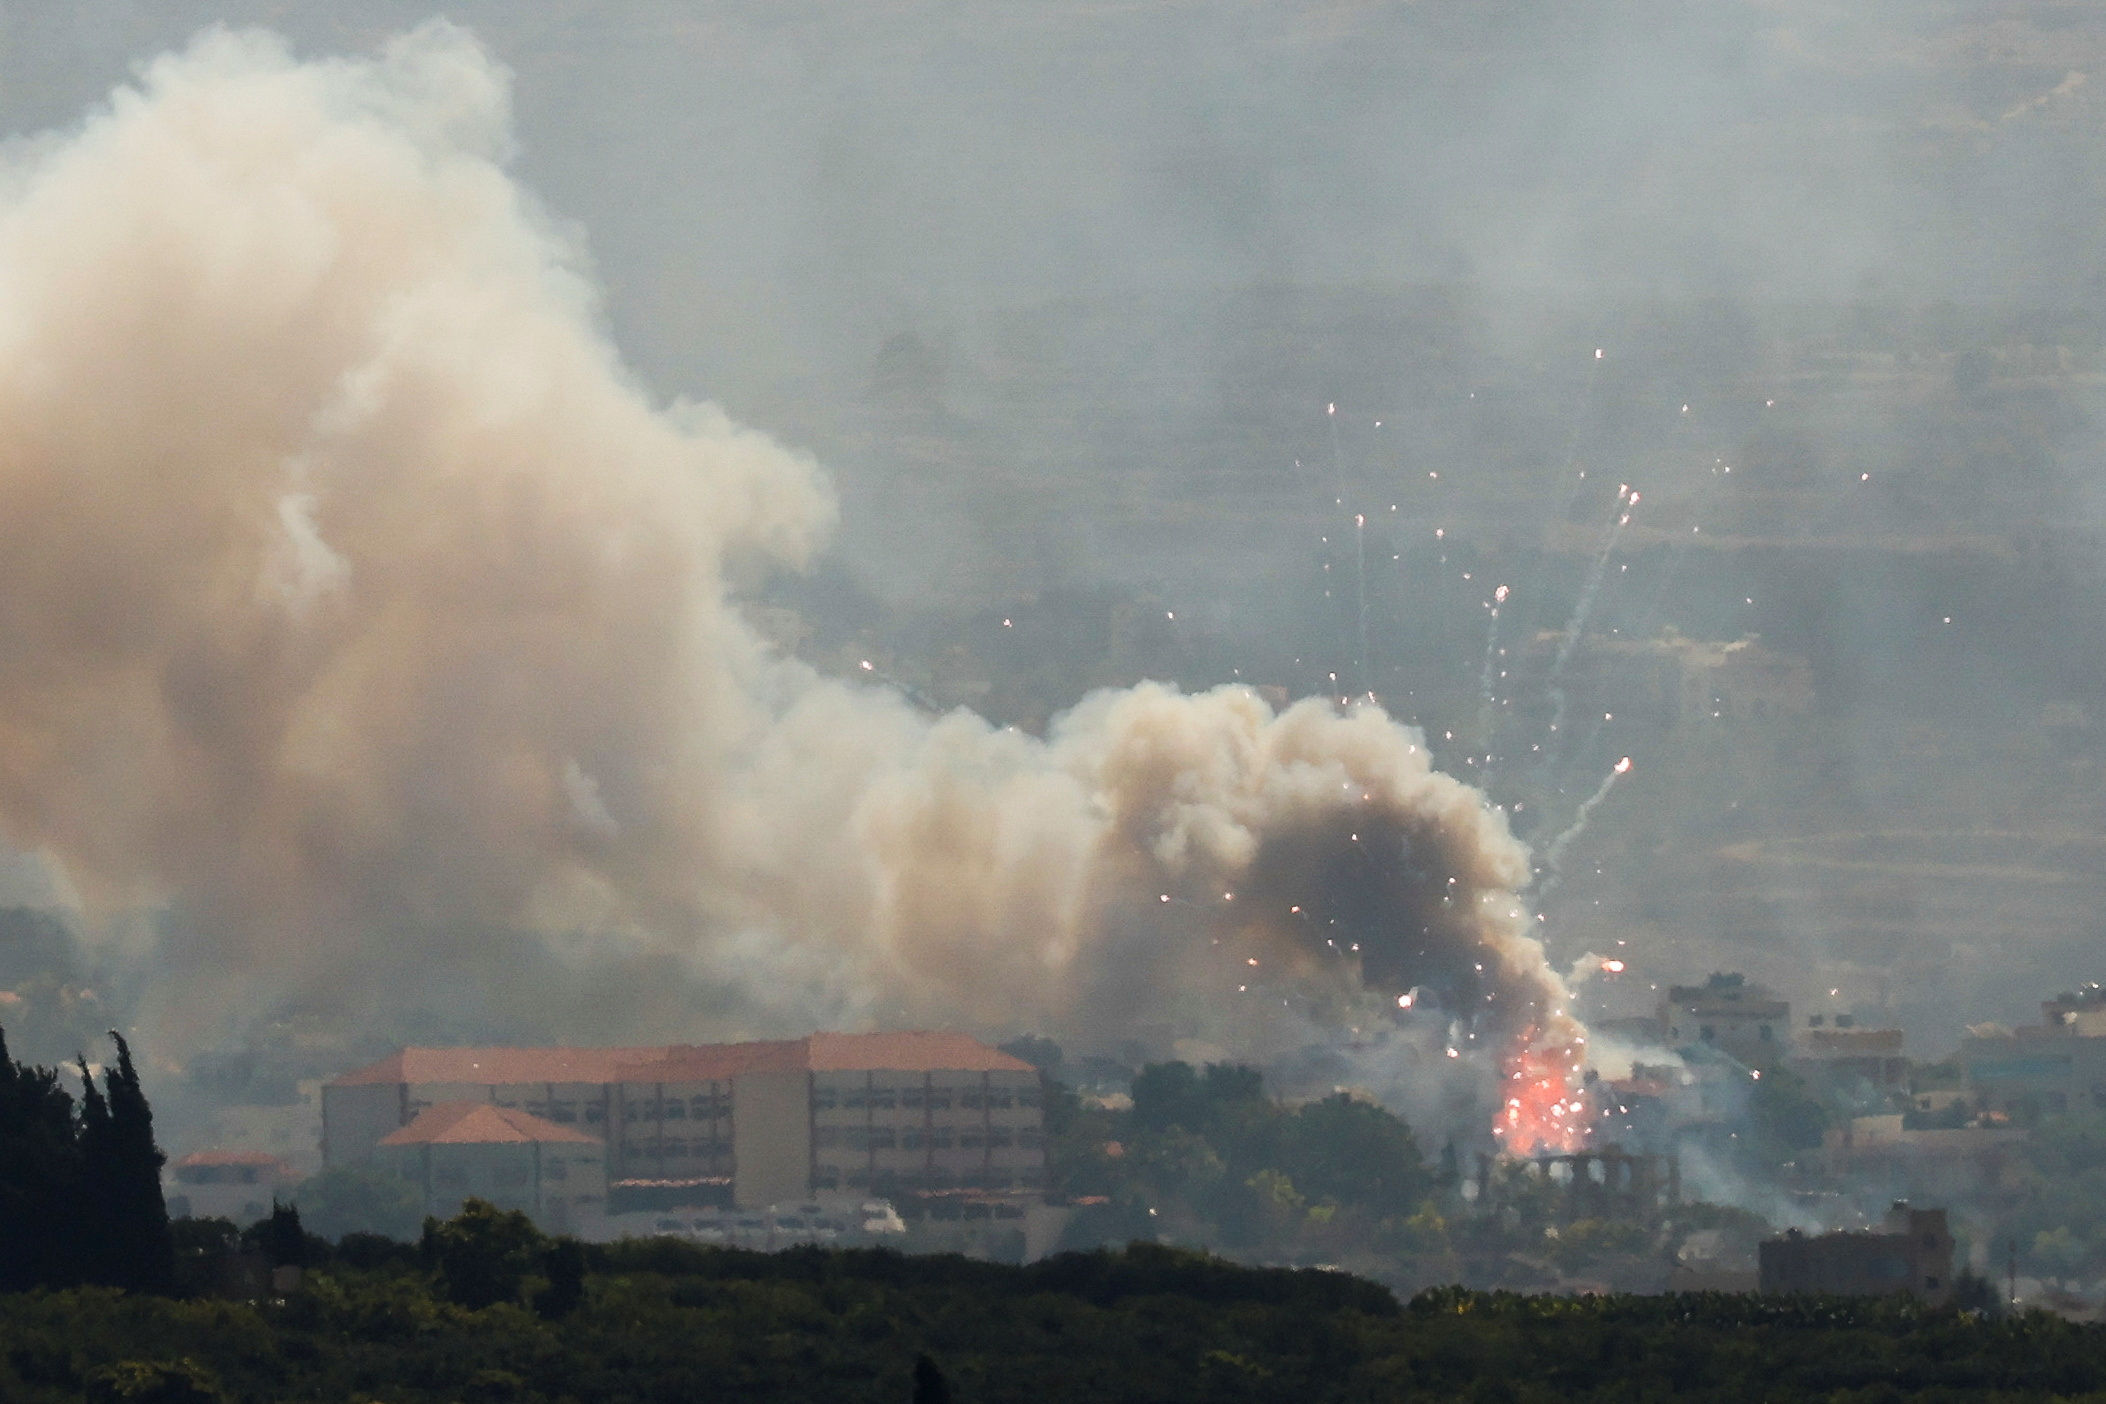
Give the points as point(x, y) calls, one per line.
point(1910, 1252)
point(903, 1115)
point(1845, 1054)
point(217, 1184)
point(1731, 1015)
point(456, 1151)
point(2055, 1067)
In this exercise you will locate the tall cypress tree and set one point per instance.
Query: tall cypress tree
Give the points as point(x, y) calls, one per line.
point(142, 1253)
point(99, 1252)
point(42, 1210)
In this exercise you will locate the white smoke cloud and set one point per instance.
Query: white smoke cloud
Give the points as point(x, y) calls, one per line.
point(355, 601)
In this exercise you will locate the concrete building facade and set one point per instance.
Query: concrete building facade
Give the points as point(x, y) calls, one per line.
point(1910, 1252)
point(2051, 1069)
point(902, 1115)
point(235, 1185)
point(1730, 1015)
point(457, 1151)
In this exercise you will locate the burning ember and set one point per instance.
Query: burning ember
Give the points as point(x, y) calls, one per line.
point(1547, 1107)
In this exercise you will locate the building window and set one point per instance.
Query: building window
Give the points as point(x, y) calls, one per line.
point(676, 1111)
point(912, 1097)
point(594, 1113)
point(555, 1170)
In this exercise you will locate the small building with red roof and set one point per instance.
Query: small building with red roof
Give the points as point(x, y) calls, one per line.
point(904, 1115)
point(456, 1151)
point(225, 1184)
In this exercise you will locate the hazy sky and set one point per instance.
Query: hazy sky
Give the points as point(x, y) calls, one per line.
point(771, 185)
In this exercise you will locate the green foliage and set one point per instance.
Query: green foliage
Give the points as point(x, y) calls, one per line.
point(352, 1199)
point(280, 1237)
point(1205, 1156)
point(80, 1191)
point(1784, 1116)
point(1167, 1095)
point(127, 1172)
point(667, 1320)
point(930, 1387)
point(181, 1381)
point(483, 1254)
point(564, 1265)
point(1351, 1152)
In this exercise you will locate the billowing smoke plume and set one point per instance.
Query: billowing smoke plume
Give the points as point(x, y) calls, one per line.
point(355, 605)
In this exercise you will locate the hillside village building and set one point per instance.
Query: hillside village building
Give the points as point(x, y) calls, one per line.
point(904, 1115)
point(2053, 1068)
point(239, 1185)
point(1730, 1015)
point(456, 1151)
point(1910, 1252)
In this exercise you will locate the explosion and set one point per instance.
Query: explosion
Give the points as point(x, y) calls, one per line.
point(361, 616)
point(1547, 1108)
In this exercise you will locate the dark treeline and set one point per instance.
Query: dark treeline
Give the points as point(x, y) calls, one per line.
point(80, 1182)
point(484, 1308)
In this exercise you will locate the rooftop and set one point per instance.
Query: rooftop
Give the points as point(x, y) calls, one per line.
point(687, 1062)
point(229, 1157)
point(480, 1123)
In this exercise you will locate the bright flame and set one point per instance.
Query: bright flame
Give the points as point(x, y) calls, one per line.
point(1623, 766)
point(1546, 1106)
point(1614, 967)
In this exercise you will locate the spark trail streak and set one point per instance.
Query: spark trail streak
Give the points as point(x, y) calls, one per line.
point(1554, 856)
point(1365, 664)
point(1486, 718)
point(1626, 501)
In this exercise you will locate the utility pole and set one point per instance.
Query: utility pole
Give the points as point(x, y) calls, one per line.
point(2011, 1272)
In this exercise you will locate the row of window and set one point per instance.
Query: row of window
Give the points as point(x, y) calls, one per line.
point(836, 1177)
point(924, 1138)
point(675, 1149)
point(562, 1113)
point(935, 1099)
point(701, 1108)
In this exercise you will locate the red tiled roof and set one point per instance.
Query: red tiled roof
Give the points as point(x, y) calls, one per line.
point(494, 1066)
point(233, 1157)
point(686, 1062)
point(480, 1123)
point(908, 1052)
point(707, 1062)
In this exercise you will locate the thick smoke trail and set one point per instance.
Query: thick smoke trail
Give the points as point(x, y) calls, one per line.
point(356, 607)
